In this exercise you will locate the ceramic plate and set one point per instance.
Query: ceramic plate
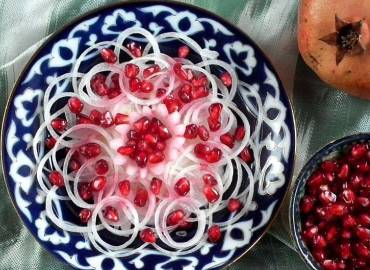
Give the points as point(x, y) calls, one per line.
point(266, 105)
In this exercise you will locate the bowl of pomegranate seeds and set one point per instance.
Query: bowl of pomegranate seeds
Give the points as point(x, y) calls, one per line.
point(329, 209)
point(151, 136)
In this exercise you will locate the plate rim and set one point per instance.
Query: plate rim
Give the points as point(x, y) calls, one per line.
point(117, 5)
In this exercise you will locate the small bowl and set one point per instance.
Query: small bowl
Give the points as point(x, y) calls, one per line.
point(329, 151)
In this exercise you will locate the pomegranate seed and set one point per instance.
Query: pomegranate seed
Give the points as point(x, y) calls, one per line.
point(199, 92)
point(115, 79)
point(344, 172)
point(327, 197)
point(59, 124)
point(154, 125)
point(214, 155)
point(329, 166)
point(111, 213)
point(98, 78)
point(185, 93)
point(338, 209)
point(362, 201)
point(141, 197)
point(101, 167)
point(181, 73)
point(142, 125)
point(75, 105)
point(126, 150)
point(203, 133)
point(191, 131)
point(211, 194)
point(363, 166)
point(135, 49)
point(319, 255)
point(349, 222)
point(50, 142)
point(175, 217)
point(142, 145)
point(359, 151)
point(213, 125)
point(135, 84)
point(346, 234)
point(307, 204)
point(56, 179)
point(124, 187)
point(345, 250)
point(316, 180)
point(160, 92)
point(108, 55)
point(84, 215)
point(141, 159)
point(150, 139)
point(234, 205)
point(83, 119)
point(310, 232)
point(209, 180)
point(161, 146)
point(246, 155)
point(85, 191)
point(348, 196)
point(319, 241)
point(133, 135)
point(172, 105)
point(183, 51)
point(90, 150)
point(120, 119)
point(331, 234)
point(156, 157)
point(362, 251)
point(131, 70)
point(155, 185)
point(98, 85)
point(226, 79)
point(99, 183)
point(362, 233)
point(239, 133)
point(201, 150)
point(148, 236)
point(215, 110)
point(202, 80)
point(364, 220)
point(164, 133)
point(329, 265)
point(106, 120)
point(114, 92)
point(95, 116)
point(185, 225)
point(227, 140)
point(355, 181)
point(149, 71)
point(146, 86)
point(182, 186)
point(214, 234)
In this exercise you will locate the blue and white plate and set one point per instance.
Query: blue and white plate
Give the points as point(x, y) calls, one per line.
point(274, 136)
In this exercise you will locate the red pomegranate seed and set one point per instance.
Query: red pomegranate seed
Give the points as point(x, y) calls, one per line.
point(98, 85)
point(106, 119)
point(146, 86)
point(141, 159)
point(199, 92)
point(95, 116)
point(327, 197)
point(343, 172)
point(181, 73)
point(124, 187)
point(111, 213)
point(226, 79)
point(185, 225)
point(115, 79)
point(120, 119)
point(211, 194)
point(83, 119)
point(213, 125)
point(90, 150)
point(160, 146)
point(101, 167)
point(183, 51)
point(114, 92)
point(164, 133)
point(172, 105)
point(359, 151)
point(247, 155)
point(338, 209)
point(135, 49)
point(319, 255)
point(148, 236)
point(182, 186)
point(149, 71)
point(156, 157)
point(75, 105)
point(227, 140)
point(329, 166)
point(135, 84)
point(310, 232)
point(56, 179)
point(214, 234)
point(191, 131)
point(50, 142)
point(362, 251)
point(203, 133)
point(234, 205)
point(215, 110)
point(154, 125)
point(133, 135)
point(355, 181)
point(346, 234)
point(349, 222)
point(85, 191)
point(209, 179)
point(363, 166)
point(126, 150)
point(345, 250)
point(214, 155)
point(329, 265)
point(201, 80)
point(160, 92)
point(84, 215)
point(98, 78)
point(131, 71)
point(363, 234)
point(239, 133)
point(319, 241)
point(141, 197)
point(185, 93)
point(150, 138)
point(142, 145)
point(363, 201)
point(74, 165)
point(142, 125)
point(331, 234)
point(307, 204)
point(364, 220)
point(155, 185)
point(348, 196)
point(175, 217)
point(99, 183)
point(315, 180)
point(201, 150)
point(108, 55)
point(59, 124)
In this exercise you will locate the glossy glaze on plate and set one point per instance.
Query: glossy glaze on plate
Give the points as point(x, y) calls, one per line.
point(274, 132)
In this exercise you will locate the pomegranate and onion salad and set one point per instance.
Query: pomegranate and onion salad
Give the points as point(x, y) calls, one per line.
point(335, 211)
point(146, 148)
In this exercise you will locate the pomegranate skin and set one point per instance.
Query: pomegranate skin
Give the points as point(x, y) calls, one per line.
point(316, 20)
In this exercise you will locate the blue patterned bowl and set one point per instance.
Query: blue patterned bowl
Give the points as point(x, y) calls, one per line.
point(275, 141)
point(329, 151)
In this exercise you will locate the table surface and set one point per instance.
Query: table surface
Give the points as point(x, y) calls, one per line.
point(322, 114)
